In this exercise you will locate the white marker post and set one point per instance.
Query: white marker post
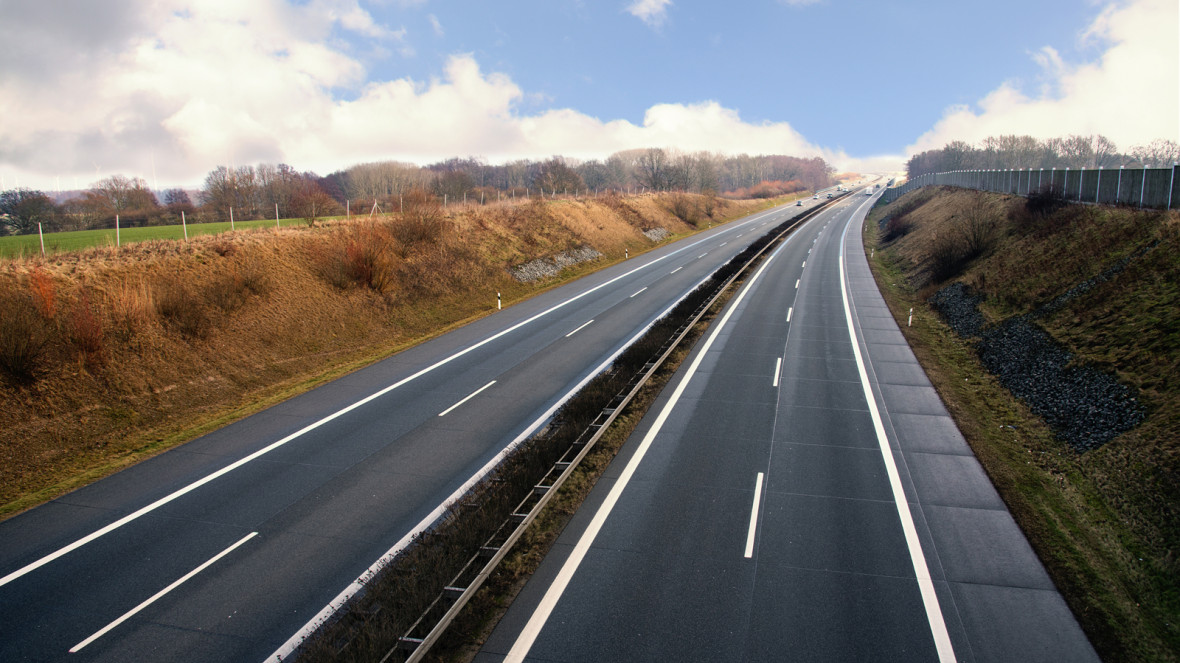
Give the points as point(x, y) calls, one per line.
point(117, 242)
point(39, 234)
point(910, 323)
point(184, 225)
point(498, 304)
point(231, 218)
point(277, 215)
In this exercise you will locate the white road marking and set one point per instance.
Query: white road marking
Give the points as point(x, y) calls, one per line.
point(754, 517)
point(346, 594)
point(580, 328)
point(804, 265)
point(942, 640)
point(677, 269)
point(702, 255)
point(723, 244)
point(61, 552)
point(528, 635)
point(778, 371)
point(638, 291)
point(790, 310)
point(797, 283)
point(129, 614)
point(469, 397)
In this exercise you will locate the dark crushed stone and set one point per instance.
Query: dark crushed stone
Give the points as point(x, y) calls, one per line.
point(1084, 407)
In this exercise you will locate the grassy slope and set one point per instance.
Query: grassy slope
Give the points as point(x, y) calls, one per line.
point(157, 342)
point(1105, 523)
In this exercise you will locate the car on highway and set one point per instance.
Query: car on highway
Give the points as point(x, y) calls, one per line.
point(799, 203)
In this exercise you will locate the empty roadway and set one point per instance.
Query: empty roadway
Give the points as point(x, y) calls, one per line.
point(793, 497)
point(228, 546)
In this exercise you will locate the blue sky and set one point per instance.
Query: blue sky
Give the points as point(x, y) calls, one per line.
point(169, 89)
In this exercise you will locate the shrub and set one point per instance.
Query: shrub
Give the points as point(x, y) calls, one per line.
point(421, 220)
point(24, 335)
point(132, 307)
point(683, 207)
point(181, 309)
point(1045, 201)
point(947, 258)
point(44, 292)
point(86, 330)
point(896, 227)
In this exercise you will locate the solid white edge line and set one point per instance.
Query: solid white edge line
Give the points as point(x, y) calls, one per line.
point(357, 585)
point(528, 635)
point(942, 640)
point(638, 291)
point(754, 517)
point(469, 397)
point(580, 328)
point(778, 369)
point(130, 613)
point(65, 550)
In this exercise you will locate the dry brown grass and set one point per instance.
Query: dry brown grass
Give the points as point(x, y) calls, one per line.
point(176, 337)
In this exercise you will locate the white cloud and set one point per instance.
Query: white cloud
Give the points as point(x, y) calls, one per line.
point(652, 12)
point(1131, 94)
point(180, 92)
point(435, 25)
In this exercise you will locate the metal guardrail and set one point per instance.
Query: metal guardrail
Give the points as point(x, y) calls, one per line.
point(468, 581)
point(1153, 188)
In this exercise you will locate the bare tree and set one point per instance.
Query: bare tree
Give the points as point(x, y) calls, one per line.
point(651, 169)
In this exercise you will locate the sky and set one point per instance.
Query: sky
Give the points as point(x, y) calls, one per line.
point(168, 90)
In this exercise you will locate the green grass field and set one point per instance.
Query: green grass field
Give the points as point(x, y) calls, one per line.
point(15, 246)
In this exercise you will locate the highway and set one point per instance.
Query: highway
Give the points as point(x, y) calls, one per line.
point(797, 493)
point(234, 546)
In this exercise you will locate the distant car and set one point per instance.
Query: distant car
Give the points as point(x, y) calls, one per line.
point(799, 203)
point(829, 195)
point(815, 197)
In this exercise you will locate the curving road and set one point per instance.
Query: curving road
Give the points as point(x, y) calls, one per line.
point(797, 493)
point(233, 546)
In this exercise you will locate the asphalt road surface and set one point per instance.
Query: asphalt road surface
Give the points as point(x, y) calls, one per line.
point(233, 546)
point(797, 493)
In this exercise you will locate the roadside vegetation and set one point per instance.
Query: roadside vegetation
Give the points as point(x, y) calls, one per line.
point(109, 355)
point(1104, 284)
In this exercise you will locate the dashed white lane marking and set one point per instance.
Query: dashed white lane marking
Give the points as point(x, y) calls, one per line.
point(778, 371)
point(469, 397)
point(638, 291)
point(131, 613)
point(580, 328)
point(754, 517)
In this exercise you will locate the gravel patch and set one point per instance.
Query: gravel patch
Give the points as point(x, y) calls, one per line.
point(541, 268)
point(1084, 406)
point(657, 234)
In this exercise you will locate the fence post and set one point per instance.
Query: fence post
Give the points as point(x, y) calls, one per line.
point(1081, 183)
point(184, 224)
point(1118, 190)
point(118, 243)
point(1142, 185)
point(1171, 183)
point(231, 218)
point(1098, 187)
point(277, 213)
point(39, 234)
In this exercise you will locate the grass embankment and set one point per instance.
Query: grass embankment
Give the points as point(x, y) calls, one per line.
point(1105, 522)
point(110, 355)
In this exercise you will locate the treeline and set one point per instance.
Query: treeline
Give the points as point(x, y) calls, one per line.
point(267, 190)
point(1095, 151)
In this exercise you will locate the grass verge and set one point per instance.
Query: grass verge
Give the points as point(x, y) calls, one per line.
point(1106, 540)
